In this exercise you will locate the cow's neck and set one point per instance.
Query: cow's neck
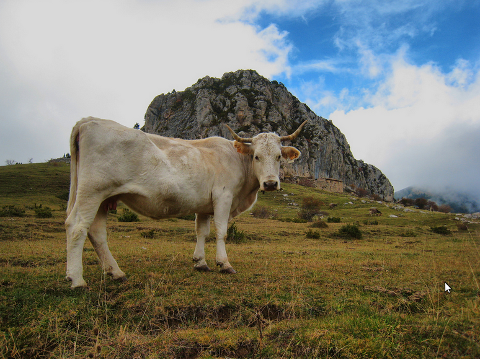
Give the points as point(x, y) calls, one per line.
point(251, 181)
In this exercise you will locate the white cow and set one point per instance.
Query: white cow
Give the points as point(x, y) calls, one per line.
point(163, 177)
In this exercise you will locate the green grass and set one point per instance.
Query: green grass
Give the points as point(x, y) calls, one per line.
point(294, 297)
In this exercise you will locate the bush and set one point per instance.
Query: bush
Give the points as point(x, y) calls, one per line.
point(407, 202)
point(312, 234)
point(319, 224)
point(43, 212)
point(263, 212)
point(333, 219)
point(421, 203)
point(462, 227)
point(234, 234)
point(128, 216)
point(350, 231)
point(293, 220)
point(408, 233)
point(310, 207)
point(370, 223)
point(148, 234)
point(445, 208)
point(440, 230)
point(11, 211)
point(360, 192)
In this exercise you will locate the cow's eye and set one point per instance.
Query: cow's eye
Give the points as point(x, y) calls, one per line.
point(257, 158)
point(278, 157)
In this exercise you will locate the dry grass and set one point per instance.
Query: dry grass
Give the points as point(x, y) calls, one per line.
point(381, 296)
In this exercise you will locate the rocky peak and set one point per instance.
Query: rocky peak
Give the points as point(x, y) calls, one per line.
point(250, 104)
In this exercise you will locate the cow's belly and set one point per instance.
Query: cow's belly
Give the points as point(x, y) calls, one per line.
point(167, 206)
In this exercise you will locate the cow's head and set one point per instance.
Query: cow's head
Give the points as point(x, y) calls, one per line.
point(266, 150)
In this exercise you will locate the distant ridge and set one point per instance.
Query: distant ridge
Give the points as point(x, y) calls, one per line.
point(250, 104)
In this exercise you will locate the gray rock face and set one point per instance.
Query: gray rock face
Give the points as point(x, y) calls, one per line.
point(250, 104)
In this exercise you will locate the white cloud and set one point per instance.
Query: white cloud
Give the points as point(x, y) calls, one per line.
point(67, 60)
point(379, 24)
point(405, 128)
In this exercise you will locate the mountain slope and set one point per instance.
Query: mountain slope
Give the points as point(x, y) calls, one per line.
point(250, 103)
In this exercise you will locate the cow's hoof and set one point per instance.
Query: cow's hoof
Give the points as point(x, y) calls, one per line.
point(228, 270)
point(202, 268)
point(118, 276)
point(77, 283)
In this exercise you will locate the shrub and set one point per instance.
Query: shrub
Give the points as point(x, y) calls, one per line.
point(310, 207)
point(408, 233)
point(148, 234)
point(234, 234)
point(293, 220)
point(421, 203)
point(370, 223)
point(360, 192)
point(11, 211)
point(312, 234)
point(319, 224)
point(263, 212)
point(350, 231)
point(128, 216)
point(43, 212)
point(333, 219)
point(445, 208)
point(462, 227)
point(440, 230)
point(407, 201)
point(432, 206)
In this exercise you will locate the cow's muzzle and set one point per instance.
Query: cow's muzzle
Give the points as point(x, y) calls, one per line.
point(270, 185)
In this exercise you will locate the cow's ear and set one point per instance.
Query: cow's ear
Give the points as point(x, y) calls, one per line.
point(244, 148)
point(290, 153)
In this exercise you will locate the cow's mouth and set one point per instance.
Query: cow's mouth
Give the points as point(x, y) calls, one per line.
point(270, 186)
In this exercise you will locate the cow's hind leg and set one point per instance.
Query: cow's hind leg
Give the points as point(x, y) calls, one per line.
point(202, 229)
point(76, 226)
point(98, 237)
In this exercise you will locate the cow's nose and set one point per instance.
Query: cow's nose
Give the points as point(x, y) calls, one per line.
point(270, 185)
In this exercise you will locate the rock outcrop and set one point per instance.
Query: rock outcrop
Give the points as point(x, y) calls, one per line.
point(250, 104)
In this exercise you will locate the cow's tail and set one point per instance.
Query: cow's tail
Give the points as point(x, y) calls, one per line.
point(74, 163)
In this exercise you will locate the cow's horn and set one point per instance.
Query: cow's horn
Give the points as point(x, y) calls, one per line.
point(237, 137)
point(295, 134)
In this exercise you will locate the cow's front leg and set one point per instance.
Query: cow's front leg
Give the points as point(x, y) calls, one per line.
point(222, 214)
point(202, 229)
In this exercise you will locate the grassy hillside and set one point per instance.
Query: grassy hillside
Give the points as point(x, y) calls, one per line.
point(295, 296)
point(34, 183)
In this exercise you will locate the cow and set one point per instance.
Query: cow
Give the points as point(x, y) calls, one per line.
point(163, 177)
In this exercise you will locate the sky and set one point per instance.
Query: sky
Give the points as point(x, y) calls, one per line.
point(401, 79)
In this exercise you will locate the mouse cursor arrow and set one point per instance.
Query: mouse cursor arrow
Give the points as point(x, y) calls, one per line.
point(447, 288)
